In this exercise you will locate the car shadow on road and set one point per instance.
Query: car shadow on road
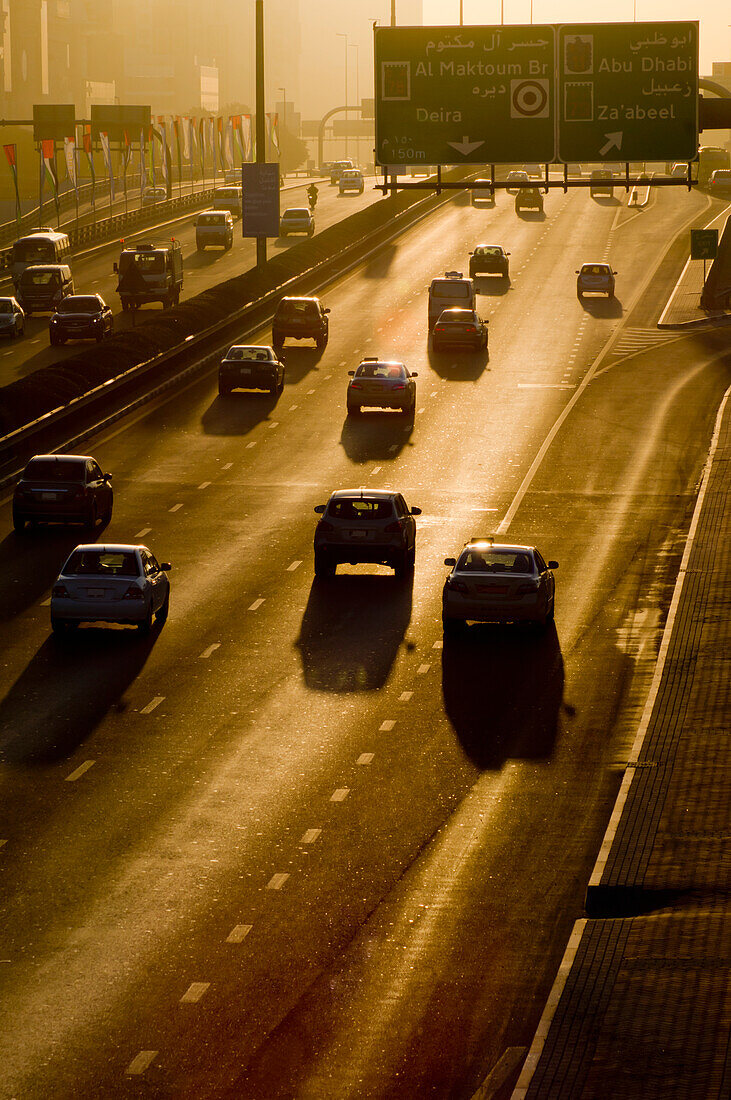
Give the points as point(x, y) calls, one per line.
point(606, 200)
point(457, 365)
point(31, 561)
point(204, 259)
point(602, 307)
point(238, 413)
point(375, 435)
point(351, 630)
point(493, 286)
point(299, 360)
point(531, 215)
point(67, 689)
point(503, 688)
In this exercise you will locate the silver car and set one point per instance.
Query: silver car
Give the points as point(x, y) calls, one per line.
point(359, 525)
point(115, 583)
point(297, 219)
point(497, 582)
point(382, 385)
point(12, 317)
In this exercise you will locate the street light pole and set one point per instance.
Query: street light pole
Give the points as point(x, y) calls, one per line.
point(341, 34)
point(284, 124)
point(357, 99)
point(261, 242)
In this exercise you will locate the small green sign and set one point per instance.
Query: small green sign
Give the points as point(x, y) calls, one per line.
point(628, 91)
point(479, 95)
point(703, 244)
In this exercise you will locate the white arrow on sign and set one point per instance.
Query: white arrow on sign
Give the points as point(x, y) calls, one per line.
point(613, 141)
point(465, 146)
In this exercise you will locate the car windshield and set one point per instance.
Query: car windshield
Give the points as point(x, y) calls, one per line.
point(250, 354)
point(450, 288)
point(6, 305)
point(79, 304)
point(212, 219)
point(381, 370)
point(150, 262)
point(115, 563)
point(39, 278)
point(33, 251)
point(49, 469)
point(360, 508)
point(495, 561)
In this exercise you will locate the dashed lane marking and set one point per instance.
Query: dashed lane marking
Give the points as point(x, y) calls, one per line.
point(376, 470)
point(3, 843)
point(310, 836)
point(309, 392)
point(207, 652)
point(238, 933)
point(152, 704)
point(387, 726)
point(276, 882)
point(256, 605)
point(141, 534)
point(194, 992)
point(422, 669)
point(340, 794)
point(175, 507)
point(227, 466)
point(365, 758)
point(439, 644)
point(141, 1062)
point(204, 484)
point(46, 603)
point(292, 408)
point(250, 445)
point(405, 696)
point(82, 768)
point(293, 565)
point(273, 424)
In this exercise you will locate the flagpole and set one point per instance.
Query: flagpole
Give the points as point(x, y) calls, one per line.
point(40, 184)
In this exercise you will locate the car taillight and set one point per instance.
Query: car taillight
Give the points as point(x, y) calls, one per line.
point(356, 386)
point(399, 386)
point(440, 328)
point(323, 525)
point(458, 586)
point(470, 328)
point(526, 589)
point(393, 528)
point(60, 591)
point(134, 593)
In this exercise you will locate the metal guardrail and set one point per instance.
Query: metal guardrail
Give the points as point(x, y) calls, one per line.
point(13, 447)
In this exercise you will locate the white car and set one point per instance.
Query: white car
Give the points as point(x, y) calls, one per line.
point(115, 583)
point(351, 180)
point(297, 219)
point(497, 582)
point(12, 317)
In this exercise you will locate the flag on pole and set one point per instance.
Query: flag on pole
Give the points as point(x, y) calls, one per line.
point(164, 161)
point(86, 139)
point(273, 131)
point(10, 153)
point(245, 138)
point(48, 157)
point(69, 148)
point(219, 128)
point(143, 166)
point(107, 154)
point(127, 155)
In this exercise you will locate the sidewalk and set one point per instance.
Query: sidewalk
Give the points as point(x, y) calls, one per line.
point(641, 1006)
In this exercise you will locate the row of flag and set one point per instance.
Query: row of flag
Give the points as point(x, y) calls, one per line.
point(215, 142)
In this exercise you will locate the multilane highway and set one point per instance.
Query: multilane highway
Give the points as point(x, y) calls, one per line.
point(291, 844)
point(93, 272)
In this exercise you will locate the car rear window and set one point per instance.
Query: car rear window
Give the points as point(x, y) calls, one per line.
point(488, 250)
point(296, 309)
point(79, 304)
point(495, 561)
point(46, 469)
point(460, 315)
point(249, 354)
point(381, 370)
point(594, 269)
point(212, 219)
point(361, 508)
point(6, 305)
point(450, 288)
point(115, 563)
point(296, 212)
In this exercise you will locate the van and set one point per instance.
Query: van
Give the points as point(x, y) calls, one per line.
point(42, 286)
point(214, 227)
point(40, 246)
point(451, 290)
point(228, 198)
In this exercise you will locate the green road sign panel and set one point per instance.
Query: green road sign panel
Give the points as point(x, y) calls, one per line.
point(703, 244)
point(628, 91)
point(464, 95)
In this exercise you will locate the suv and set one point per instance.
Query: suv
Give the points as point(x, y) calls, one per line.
point(351, 180)
point(42, 286)
point(600, 183)
point(360, 525)
point(214, 227)
point(451, 290)
point(338, 167)
point(596, 278)
point(81, 317)
point(62, 489)
point(300, 319)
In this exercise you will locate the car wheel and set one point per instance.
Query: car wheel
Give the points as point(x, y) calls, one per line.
point(90, 519)
point(54, 340)
point(19, 521)
point(146, 625)
point(402, 565)
point(310, 232)
point(324, 565)
point(274, 389)
point(282, 233)
point(62, 626)
point(354, 410)
point(452, 627)
point(321, 342)
point(100, 336)
point(162, 613)
point(280, 387)
point(224, 389)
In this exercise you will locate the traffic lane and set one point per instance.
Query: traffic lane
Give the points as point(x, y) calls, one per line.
point(267, 463)
point(201, 270)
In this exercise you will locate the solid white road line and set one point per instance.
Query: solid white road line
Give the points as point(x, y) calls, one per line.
point(139, 1064)
point(207, 652)
point(340, 794)
point(152, 704)
point(276, 882)
point(79, 771)
point(256, 604)
point(238, 933)
point(194, 992)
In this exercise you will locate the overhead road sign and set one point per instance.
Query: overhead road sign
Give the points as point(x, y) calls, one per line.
point(116, 118)
point(478, 95)
point(628, 91)
point(53, 121)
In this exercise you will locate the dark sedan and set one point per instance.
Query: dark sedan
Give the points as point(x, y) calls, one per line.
point(489, 259)
point(81, 317)
point(460, 328)
point(251, 367)
point(62, 489)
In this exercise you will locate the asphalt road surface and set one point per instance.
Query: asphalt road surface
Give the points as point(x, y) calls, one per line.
point(93, 272)
point(291, 845)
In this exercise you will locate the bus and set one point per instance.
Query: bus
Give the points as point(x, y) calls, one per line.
point(710, 158)
point(40, 246)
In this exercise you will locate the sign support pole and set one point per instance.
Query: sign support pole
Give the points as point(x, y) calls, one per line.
point(261, 242)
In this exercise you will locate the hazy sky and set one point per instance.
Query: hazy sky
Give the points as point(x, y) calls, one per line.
point(714, 16)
